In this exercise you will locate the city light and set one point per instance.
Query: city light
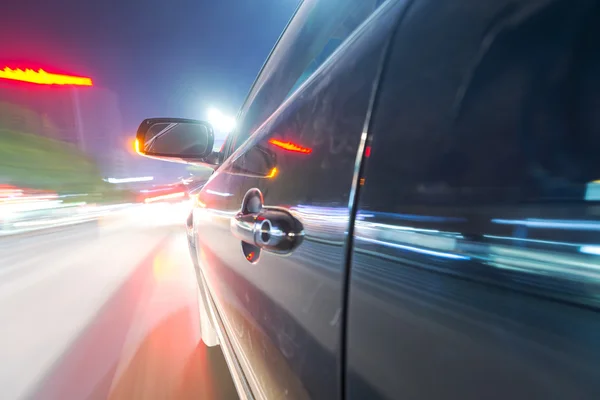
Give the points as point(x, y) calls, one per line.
point(42, 77)
point(220, 121)
point(129, 180)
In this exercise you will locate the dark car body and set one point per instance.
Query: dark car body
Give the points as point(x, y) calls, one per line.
point(429, 175)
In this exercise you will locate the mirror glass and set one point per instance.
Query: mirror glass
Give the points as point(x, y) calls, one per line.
point(178, 139)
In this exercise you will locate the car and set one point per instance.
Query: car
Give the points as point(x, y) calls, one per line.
point(402, 210)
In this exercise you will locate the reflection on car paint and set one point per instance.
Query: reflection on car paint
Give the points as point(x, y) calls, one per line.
point(563, 270)
point(222, 194)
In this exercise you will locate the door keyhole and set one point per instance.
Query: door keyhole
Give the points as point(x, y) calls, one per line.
point(265, 231)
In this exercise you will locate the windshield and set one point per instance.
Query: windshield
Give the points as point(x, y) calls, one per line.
point(98, 286)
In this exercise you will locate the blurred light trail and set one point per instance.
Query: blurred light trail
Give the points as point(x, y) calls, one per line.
point(42, 77)
point(595, 250)
point(128, 180)
point(222, 194)
point(164, 197)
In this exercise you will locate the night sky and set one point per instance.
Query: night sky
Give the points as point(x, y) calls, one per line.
point(162, 58)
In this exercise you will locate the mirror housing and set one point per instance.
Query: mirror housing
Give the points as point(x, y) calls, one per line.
point(178, 140)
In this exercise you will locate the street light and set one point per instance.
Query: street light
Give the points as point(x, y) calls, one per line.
point(220, 121)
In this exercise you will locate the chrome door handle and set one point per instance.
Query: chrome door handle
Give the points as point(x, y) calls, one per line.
point(268, 228)
point(271, 229)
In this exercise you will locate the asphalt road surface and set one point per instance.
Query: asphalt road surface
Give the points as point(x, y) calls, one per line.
point(105, 311)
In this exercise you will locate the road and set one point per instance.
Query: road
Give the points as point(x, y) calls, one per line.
point(105, 311)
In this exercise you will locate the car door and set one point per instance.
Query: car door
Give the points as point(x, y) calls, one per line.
point(475, 260)
point(273, 220)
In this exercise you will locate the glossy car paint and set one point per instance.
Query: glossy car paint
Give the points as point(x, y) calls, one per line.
point(282, 314)
point(471, 277)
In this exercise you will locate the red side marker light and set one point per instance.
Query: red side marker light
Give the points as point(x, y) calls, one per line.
point(289, 146)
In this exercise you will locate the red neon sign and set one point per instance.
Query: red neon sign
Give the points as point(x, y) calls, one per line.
point(289, 146)
point(42, 77)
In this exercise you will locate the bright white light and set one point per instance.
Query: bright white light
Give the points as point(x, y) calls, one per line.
point(222, 194)
point(595, 250)
point(164, 197)
point(220, 121)
point(128, 180)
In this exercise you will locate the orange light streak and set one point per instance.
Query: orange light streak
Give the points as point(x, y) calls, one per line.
point(273, 173)
point(136, 146)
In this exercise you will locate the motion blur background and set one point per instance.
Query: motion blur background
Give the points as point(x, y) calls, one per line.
point(98, 294)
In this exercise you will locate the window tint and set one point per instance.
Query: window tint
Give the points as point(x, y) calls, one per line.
point(489, 102)
point(314, 33)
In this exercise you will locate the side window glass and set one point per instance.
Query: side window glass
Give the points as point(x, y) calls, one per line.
point(340, 31)
point(317, 30)
point(502, 107)
point(316, 63)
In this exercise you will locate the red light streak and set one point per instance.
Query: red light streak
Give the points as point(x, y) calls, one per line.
point(289, 146)
point(42, 77)
point(164, 197)
point(368, 152)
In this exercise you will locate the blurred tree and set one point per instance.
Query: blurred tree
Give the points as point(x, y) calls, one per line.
point(40, 162)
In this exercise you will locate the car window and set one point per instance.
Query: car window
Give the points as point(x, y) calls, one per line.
point(317, 29)
point(501, 108)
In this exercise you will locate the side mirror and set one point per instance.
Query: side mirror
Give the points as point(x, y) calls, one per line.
point(177, 139)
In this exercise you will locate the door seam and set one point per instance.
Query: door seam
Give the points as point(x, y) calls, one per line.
point(359, 166)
